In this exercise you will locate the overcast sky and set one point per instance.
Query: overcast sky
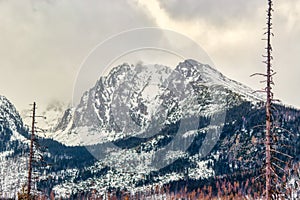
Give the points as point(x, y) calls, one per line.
point(44, 42)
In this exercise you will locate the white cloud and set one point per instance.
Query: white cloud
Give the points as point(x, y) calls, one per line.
point(44, 42)
point(231, 32)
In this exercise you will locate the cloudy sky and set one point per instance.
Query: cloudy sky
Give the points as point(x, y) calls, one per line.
point(43, 43)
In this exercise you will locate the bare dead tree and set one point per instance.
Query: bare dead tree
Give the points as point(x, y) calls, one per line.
point(31, 154)
point(269, 101)
point(274, 168)
point(268, 90)
point(35, 157)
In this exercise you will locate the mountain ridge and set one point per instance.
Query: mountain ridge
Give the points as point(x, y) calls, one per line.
point(98, 106)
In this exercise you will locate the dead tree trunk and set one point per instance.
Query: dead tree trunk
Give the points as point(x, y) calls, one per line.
point(269, 101)
point(31, 152)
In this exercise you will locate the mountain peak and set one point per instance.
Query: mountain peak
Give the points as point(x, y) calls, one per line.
point(9, 115)
point(131, 98)
point(204, 72)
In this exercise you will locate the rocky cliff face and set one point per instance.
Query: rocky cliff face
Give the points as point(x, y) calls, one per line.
point(132, 100)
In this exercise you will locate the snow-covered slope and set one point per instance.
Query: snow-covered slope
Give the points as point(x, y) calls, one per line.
point(9, 117)
point(12, 166)
point(10, 123)
point(131, 100)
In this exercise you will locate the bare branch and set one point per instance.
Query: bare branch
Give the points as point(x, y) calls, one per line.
point(258, 74)
point(284, 154)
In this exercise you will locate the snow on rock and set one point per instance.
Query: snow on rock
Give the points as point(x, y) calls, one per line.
point(9, 117)
point(13, 167)
point(133, 99)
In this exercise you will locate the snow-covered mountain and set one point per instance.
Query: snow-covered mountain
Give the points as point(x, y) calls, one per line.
point(152, 124)
point(132, 100)
point(12, 143)
point(145, 126)
point(9, 117)
point(135, 111)
point(14, 154)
